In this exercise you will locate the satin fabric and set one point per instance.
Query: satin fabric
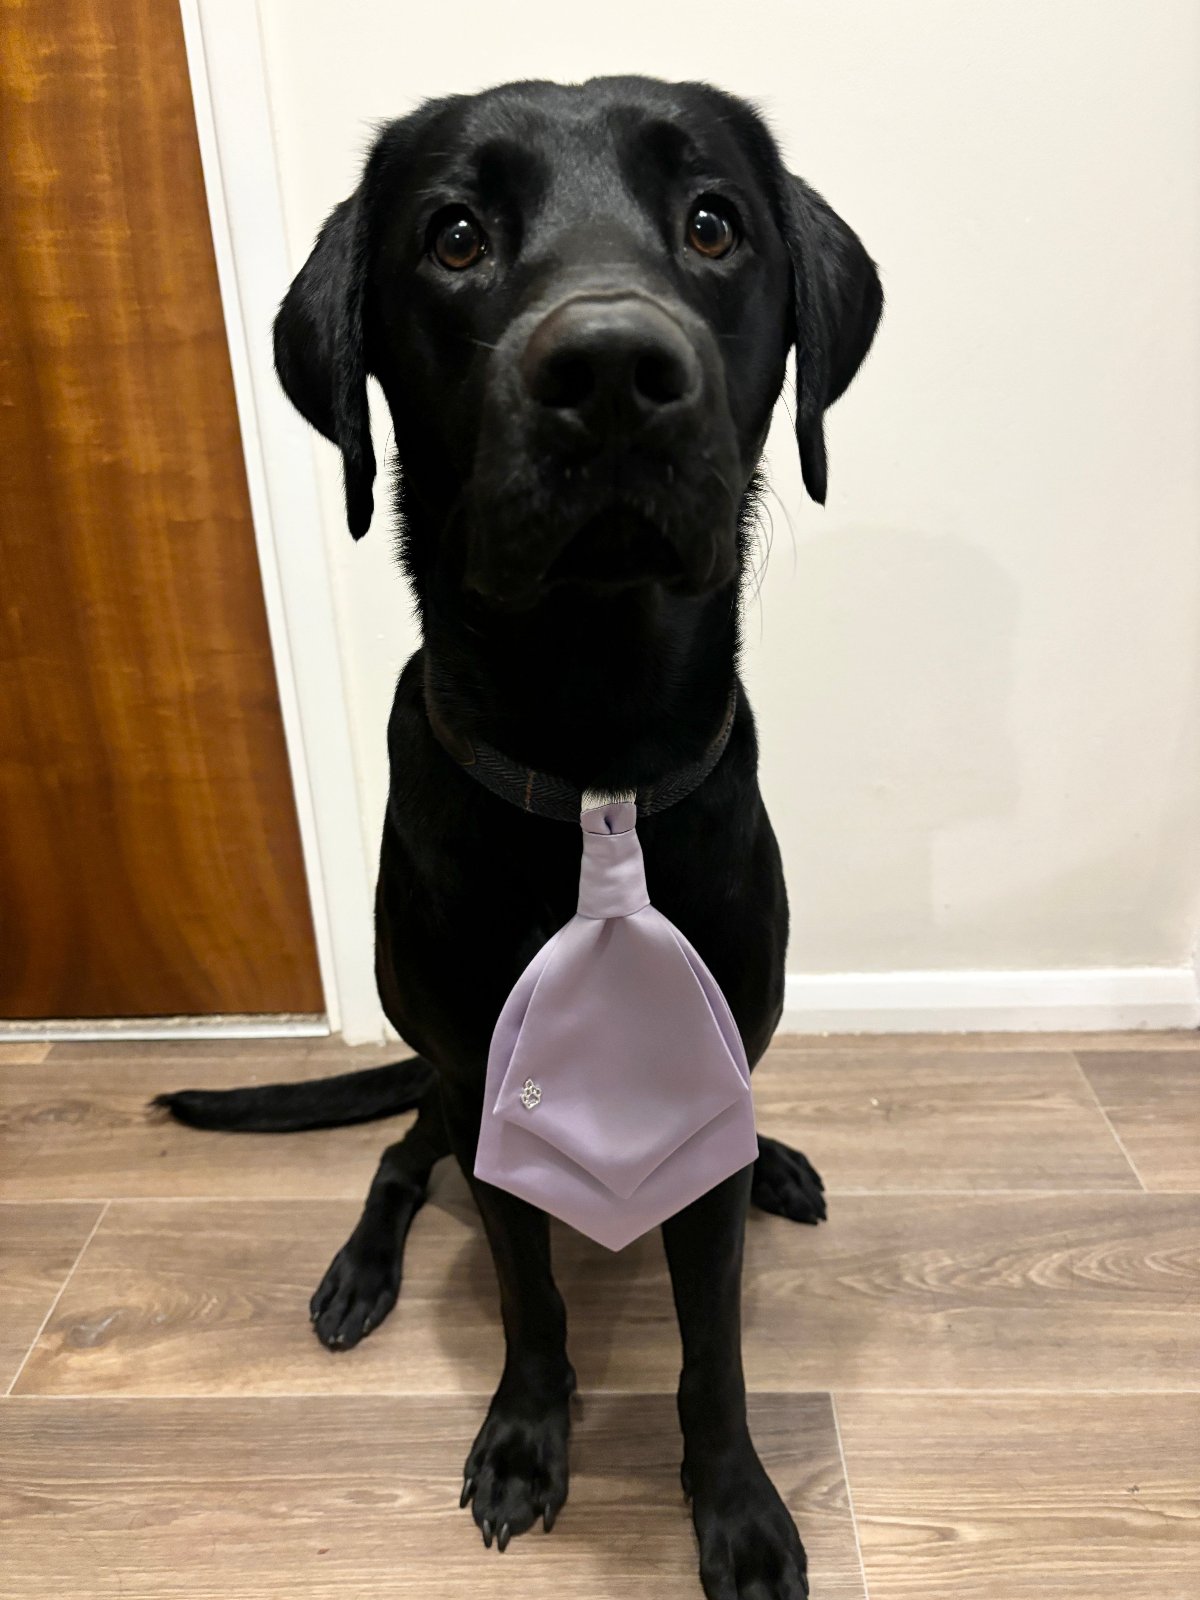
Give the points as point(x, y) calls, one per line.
point(618, 1089)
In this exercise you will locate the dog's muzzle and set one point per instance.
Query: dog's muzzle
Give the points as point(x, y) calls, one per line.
point(607, 456)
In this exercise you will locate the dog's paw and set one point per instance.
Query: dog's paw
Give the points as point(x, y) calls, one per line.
point(357, 1292)
point(749, 1547)
point(786, 1184)
point(516, 1473)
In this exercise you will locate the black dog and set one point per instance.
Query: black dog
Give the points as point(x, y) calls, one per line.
point(579, 304)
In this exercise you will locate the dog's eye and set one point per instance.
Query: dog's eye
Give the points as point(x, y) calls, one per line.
point(712, 229)
point(458, 240)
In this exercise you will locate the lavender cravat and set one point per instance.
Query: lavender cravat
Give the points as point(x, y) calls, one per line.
point(617, 1087)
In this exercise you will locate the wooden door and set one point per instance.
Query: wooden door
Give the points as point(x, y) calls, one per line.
point(149, 854)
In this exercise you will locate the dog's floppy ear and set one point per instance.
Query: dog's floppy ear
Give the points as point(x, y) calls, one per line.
point(837, 301)
point(319, 350)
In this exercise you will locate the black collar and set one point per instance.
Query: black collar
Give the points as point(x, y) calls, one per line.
point(547, 796)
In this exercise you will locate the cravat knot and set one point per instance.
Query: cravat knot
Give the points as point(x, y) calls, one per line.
point(612, 875)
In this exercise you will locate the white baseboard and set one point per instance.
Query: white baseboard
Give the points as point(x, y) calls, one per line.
point(1087, 998)
point(88, 1029)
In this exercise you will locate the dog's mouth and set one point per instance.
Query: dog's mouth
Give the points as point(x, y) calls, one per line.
point(616, 549)
point(568, 531)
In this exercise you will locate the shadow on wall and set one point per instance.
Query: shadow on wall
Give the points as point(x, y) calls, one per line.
point(1129, 894)
point(897, 702)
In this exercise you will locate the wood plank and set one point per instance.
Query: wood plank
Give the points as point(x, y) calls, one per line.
point(274, 1053)
point(337, 1497)
point(39, 1245)
point(1141, 1039)
point(1153, 1102)
point(1054, 1498)
point(195, 1298)
point(78, 1127)
point(924, 1121)
point(150, 856)
point(939, 1119)
point(23, 1054)
point(1048, 1292)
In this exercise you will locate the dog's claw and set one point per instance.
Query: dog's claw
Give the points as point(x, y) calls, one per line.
point(517, 1469)
point(786, 1184)
point(468, 1489)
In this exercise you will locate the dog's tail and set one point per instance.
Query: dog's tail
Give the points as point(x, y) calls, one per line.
point(291, 1107)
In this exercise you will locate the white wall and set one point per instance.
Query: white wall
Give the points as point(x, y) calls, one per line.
point(977, 671)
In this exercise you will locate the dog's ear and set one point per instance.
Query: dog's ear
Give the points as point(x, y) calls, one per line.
point(319, 350)
point(837, 301)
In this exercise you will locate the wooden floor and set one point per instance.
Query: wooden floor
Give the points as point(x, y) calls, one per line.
point(980, 1379)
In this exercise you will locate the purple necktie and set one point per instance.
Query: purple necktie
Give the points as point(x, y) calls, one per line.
point(617, 1087)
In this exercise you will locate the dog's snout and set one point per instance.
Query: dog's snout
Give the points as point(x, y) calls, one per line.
point(613, 364)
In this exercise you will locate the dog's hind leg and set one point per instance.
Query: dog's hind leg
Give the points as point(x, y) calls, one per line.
point(786, 1183)
point(363, 1280)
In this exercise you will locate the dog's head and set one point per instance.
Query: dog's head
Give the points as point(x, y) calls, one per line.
point(579, 304)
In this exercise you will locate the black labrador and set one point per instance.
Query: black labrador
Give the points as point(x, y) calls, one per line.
point(579, 302)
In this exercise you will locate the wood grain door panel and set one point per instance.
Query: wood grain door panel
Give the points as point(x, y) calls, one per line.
point(150, 858)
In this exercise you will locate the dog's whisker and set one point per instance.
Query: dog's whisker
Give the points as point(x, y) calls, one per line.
point(791, 526)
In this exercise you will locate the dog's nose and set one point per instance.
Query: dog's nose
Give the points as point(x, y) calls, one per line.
point(613, 364)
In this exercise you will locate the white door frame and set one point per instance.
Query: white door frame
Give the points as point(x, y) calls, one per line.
point(233, 119)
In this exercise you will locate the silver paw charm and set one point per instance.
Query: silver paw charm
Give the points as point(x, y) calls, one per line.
point(530, 1094)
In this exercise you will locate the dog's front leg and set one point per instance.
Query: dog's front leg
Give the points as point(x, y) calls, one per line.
point(748, 1541)
point(517, 1469)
